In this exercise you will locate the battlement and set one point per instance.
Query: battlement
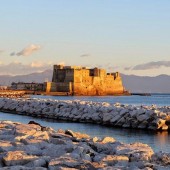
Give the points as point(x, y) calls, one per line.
point(68, 67)
point(86, 81)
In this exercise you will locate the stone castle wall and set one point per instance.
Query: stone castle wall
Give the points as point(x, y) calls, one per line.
point(83, 81)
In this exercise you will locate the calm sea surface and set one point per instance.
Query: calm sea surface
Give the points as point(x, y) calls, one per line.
point(158, 99)
point(157, 140)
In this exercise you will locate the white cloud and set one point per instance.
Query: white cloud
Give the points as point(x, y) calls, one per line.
point(149, 65)
point(27, 51)
point(37, 64)
point(152, 65)
point(17, 68)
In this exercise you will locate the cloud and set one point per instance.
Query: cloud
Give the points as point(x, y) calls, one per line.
point(12, 54)
point(152, 65)
point(112, 68)
point(17, 68)
point(1, 52)
point(85, 55)
point(37, 64)
point(27, 51)
point(149, 65)
point(127, 68)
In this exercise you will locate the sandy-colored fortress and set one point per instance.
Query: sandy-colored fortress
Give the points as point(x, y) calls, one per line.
point(77, 80)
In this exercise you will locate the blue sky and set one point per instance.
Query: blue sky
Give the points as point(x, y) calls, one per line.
point(129, 36)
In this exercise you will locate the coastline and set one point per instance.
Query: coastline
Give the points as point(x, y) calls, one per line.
point(32, 146)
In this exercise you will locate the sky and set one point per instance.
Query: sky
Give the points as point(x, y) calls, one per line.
point(129, 36)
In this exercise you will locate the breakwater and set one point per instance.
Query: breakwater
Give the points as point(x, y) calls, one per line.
point(32, 146)
point(12, 94)
point(119, 115)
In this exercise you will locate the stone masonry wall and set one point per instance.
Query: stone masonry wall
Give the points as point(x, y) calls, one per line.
point(87, 81)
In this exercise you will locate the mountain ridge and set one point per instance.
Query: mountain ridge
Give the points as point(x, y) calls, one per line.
point(133, 83)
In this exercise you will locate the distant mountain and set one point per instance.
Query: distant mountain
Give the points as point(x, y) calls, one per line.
point(34, 77)
point(146, 84)
point(133, 83)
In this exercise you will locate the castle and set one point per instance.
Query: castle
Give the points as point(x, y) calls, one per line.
point(76, 80)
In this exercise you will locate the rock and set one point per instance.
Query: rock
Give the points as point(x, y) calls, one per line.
point(41, 136)
point(156, 124)
point(57, 150)
point(95, 139)
point(116, 118)
point(57, 141)
point(17, 158)
point(65, 162)
point(107, 117)
point(107, 140)
point(140, 111)
point(31, 147)
point(143, 125)
point(164, 127)
point(135, 151)
point(87, 111)
point(161, 158)
point(22, 168)
point(104, 148)
point(123, 112)
point(77, 134)
point(111, 160)
point(126, 125)
point(40, 162)
point(6, 146)
point(26, 129)
point(142, 117)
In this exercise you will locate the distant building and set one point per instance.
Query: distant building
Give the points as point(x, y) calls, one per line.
point(27, 86)
point(4, 87)
point(78, 80)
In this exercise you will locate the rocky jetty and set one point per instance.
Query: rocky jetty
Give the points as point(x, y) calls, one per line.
point(119, 115)
point(12, 94)
point(29, 147)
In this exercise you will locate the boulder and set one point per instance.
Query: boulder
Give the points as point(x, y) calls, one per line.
point(142, 117)
point(77, 134)
point(135, 151)
point(107, 140)
point(13, 158)
point(24, 129)
point(111, 160)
